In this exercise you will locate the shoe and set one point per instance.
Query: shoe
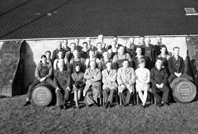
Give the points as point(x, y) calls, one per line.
point(95, 104)
point(26, 103)
point(144, 106)
point(107, 105)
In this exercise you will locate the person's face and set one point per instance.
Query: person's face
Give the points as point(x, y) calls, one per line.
point(113, 43)
point(158, 64)
point(48, 55)
point(147, 41)
point(77, 68)
point(91, 54)
point(142, 65)
point(92, 64)
point(75, 53)
point(163, 50)
point(106, 55)
point(125, 64)
point(76, 41)
point(159, 39)
point(108, 65)
point(59, 45)
point(85, 46)
point(100, 38)
point(43, 60)
point(131, 39)
point(60, 55)
point(141, 41)
point(64, 43)
point(176, 52)
point(139, 51)
point(121, 50)
point(99, 46)
point(72, 46)
point(128, 44)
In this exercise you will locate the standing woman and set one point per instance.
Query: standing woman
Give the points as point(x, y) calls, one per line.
point(78, 83)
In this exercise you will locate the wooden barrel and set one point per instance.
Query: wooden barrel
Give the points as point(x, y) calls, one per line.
point(42, 95)
point(183, 90)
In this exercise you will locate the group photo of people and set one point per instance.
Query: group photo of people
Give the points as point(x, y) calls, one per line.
point(102, 74)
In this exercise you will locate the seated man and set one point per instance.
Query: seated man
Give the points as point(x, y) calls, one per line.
point(109, 76)
point(43, 73)
point(62, 78)
point(175, 65)
point(159, 78)
point(59, 48)
point(78, 83)
point(126, 80)
point(92, 89)
point(142, 81)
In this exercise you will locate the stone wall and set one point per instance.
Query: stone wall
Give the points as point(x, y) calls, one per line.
point(9, 66)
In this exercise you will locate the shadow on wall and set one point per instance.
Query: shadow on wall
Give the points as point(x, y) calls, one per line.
point(28, 66)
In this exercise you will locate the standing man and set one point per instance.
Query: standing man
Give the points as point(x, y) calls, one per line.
point(158, 46)
point(159, 80)
point(109, 76)
point(126, 80)
point(59, 48)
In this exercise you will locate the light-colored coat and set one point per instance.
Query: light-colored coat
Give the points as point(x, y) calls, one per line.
point(126, 77)
point(109, 79)
point(93, 78)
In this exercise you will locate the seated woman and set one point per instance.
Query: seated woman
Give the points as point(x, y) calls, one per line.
point(78, 83)
point(120, 57)
point(126, 80)
point(76, 59)
point(159, 80)
point(142, 81)
point(92, 89)
point(165, 57)
point(109, 76)
point(43, 74)
point(62, 78)
point(92, 57)
point(59, 58)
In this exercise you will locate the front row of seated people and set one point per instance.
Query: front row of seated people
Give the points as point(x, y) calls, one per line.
point(107, 78)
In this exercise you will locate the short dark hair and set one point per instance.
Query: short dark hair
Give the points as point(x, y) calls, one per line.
point(48, 52)
point(138, 47)
point(109, 61)
point(125, 60)
point(85, 43)
point(175, 48)
point(141, 60)
point(43, 56)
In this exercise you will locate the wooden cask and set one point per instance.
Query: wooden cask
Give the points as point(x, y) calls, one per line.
point(42, 95)
point(183, 90)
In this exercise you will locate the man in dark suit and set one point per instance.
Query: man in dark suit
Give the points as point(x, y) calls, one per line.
point(159, 82)
point(175, 65)
point(55, 52)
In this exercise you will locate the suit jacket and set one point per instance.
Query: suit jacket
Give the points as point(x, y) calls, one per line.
point(126, 76)
point(109, 78)
point(92, 76)
point(176, 65)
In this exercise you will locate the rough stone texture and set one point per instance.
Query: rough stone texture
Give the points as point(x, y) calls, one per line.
point(9, 72)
